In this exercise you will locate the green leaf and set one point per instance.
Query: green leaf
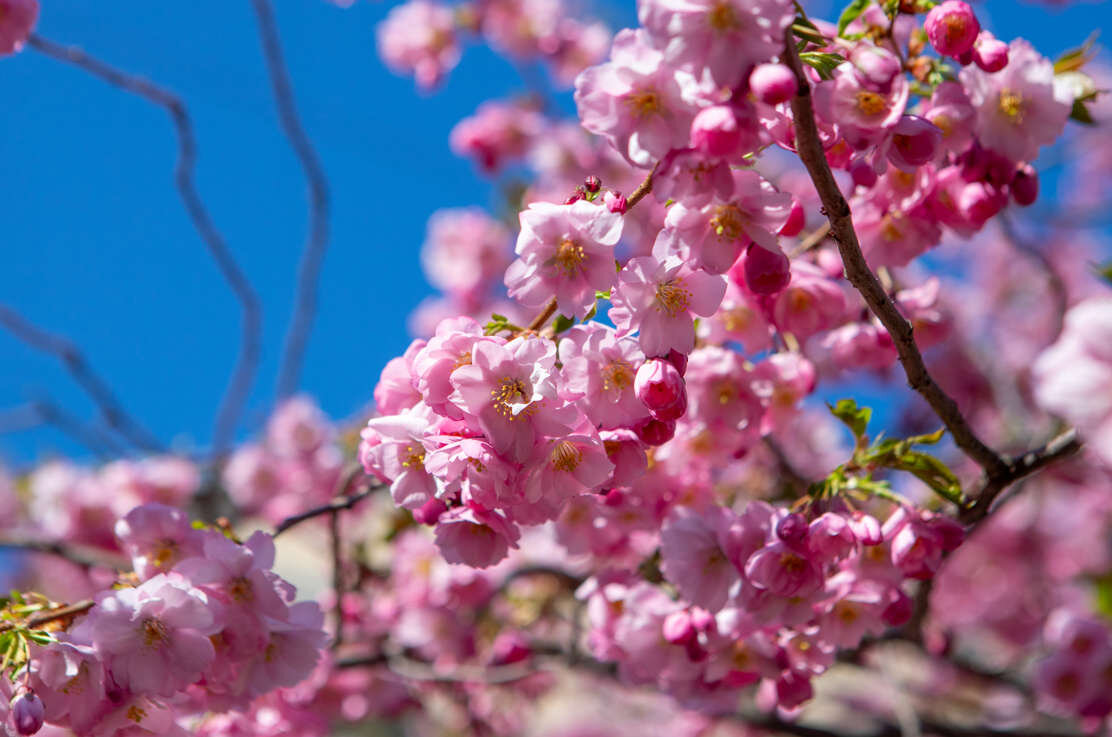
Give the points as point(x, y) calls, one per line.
point(856, 418)
point(1080, 113)
point(934, 473)
point(602, 295)
point(851, 13)
point(1073, 59)
point(1105, 272)
point(1102, 594)
point(561, 323)
point(821, 62)
point(39, 638)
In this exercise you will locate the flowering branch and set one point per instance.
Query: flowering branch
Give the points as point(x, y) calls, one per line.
point(999, 471)
point(36, 621)
point(243, 374)
point(70, 356)
point(344, 499)
point(312, 256)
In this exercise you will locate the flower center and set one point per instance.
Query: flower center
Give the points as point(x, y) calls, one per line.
point(644, 103)
point(164, 554)
point(509, 392)
point(723, 17)
point(954, 28)
point(792, 563)
point(617, 375)
point(565, 456)
point(1011, 104)
point(727, 222)
point(414, 457)
point(737, 319)
point(241, 590)
point(569, 257)
point(672, 297)
point(155, 633)
point(870, 103)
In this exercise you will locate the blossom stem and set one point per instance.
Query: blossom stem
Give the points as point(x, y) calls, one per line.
point(36, 621)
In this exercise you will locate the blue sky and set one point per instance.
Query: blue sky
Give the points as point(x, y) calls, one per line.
point(98, 247)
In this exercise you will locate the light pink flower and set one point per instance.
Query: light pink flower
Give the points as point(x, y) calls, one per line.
point(419, 38)
point(658, 298)
point(599, 373)
point(497, 133)
point(475, 537)
point(693, 558)
point(564, 466)
point(464, 252)
point(861, 99)
point(157, 538)
point(566, 251)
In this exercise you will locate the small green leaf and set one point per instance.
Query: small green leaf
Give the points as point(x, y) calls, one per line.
point(602, 295)
point(934, 473)
point(1080, 113)
point(1074, 59)
point(591, 312)
point(39, 638)
point(821, 62)
point(561, 323)
point(1105, 272)
point(856, 418)
point(851, 13)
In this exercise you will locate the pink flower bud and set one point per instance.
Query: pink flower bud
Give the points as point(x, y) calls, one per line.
point(952, 27)
point(677, 359)
point(574, 197)
point(616, 202)
point(797, 219)
point(592, 184)
point(792, 529)
point(766, 272)
point(915, 141)
point(725, 131)
point(772, 83)
point(655, 432)
point(429, 512)
point(678, 628)
point(899, 609)
point(863, 173)
point(792, 689)
point(660, 387)
point(28, 712)
point(1025, 185)
point(978, 202)
point(509, 647)
point(878, 67)
point(989, 53)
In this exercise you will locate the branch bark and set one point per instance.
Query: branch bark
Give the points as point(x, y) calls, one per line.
point(344, 499)
point(246, 366)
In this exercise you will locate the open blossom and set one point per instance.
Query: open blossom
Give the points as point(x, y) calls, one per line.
point(419, 38)
point(600, 370)
point(565, 466)
point(155, 637)
point(476, 537)
point(635, 101)
point(394, 449)
point(726, 37)
point(464, 252)
point(863, 99)
point(496, 133)
point(1073, 378)
point(658, 298)
point(693, 556)
point(157, 538)
point(566, 251)
point(17, 18)
point(1020, 108)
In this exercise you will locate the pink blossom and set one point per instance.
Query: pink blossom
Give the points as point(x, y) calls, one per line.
point(154, 638)
point(660, 388)
point(726, 131)
point(811, 303)
point(475, 537)
point(863, 99)
point(70, 678)
point(298, 427)
point(496, 133)
point(394, 449)
point(919, 540)
point(600, 369)
point(952, 113)
point(419, 38)
point(952, 27)
point(692, 177)
point(693, 559)
point(658, 298)
point(17, 18)
point(726, 37)
point(395, 390)
point(739, 318)
point(464, 252)
point(238, 575)
point(157, 538)
point(1020, 108)
point(635, 101)
point(564, 466)
point(446, 351)
point(566, 251)
point(772, 83)
point(291, 650)
point(783, 571)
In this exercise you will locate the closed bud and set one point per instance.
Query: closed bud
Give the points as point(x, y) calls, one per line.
point(863, 173)
point(615, 202)
point(677, 359)
point(430, 512)
point(592, 184)
point(660, 387)
point(793, 530)
point(678, 628)
point(766, 272)
point(915, 141)
point(722, 131)
point(1025, 185)
point(796, 220)
point(952, 27)
point(28, 712)
point(990, 53)
point(652, 431)
point(772, 83)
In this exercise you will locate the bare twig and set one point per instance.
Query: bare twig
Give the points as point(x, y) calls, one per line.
point(336, 543)
point(643, 188)
point(344, 499)
point(102, 444)
point(75, 363)
point(999, 471)
point(243, 374)
point(81, 555)
point(316, 243)
point(38, 620)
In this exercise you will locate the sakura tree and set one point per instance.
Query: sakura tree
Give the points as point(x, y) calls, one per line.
point(601, 492)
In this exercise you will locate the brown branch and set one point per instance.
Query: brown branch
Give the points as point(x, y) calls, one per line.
point(39, 619)
point(336, 544)
point(70, 356)
point(85, 556)
point(999, 471)
point(344, 499)
point(643, 188)
point(316, 243)
point(243, 374)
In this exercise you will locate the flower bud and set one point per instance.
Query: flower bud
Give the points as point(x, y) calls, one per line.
point(772, 83)
point(430, 512)
point(978, 203)
point(725, 131)
point(766, 272)
point(508, 648)
point(1025, 185)
point(678, 628)
point(655, 432)
point(915, 141)
point(792, 529)
point(677, 359)
point(797, 218)
point(592, 184)
point(952, 27)
point(899, 609)
point(863, 173)
point(661, 389)
point(990, 53)
point(616, 202)
point(28, 712)
point(574, 197)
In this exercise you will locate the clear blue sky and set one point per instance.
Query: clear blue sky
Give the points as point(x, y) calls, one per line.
point(97, 246)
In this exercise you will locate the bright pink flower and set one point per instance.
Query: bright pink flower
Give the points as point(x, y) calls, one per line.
point(446, 351)
point(891, 237)
point(919, 539)
point(509, 393)
point(693, 559)
point(475, 537)
point(394, 449)
point(496, 133)
point(739, 318)
point(396, 391)
point(419, 38)
point(764, 272)
point(565, 466)
point(952, 113)
point(658, 298)
point(990, 53)
point(952, 27)
point(465, 251)
point(154, 638)
point(783, 570)
point(157, 538)
point(726, 131)
point(862, 99)
point(691, 177)
point(660, 388)
point(600, 369)
point(772, 83)
point(725, 37)
point(566, 251)
point(635, 101)
point(17, 18)
point(782, 381)
point(810, 304)
point(915, 141)
point(1020, 108)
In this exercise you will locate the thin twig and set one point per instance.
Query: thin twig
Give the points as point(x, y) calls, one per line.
point(243, 374)
point(81, 555)
point(37, 620)
point(336, 543)
point(316, 243)
point(102, 444)
point(999, 471)
point(344, 499)
point(75, 363)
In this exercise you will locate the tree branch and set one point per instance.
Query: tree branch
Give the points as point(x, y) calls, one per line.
point(344, 499)
point(243, 374)
point(61, 614)
point(81, 555)
point(316, 243)
point(999, 471)
point(75, 363)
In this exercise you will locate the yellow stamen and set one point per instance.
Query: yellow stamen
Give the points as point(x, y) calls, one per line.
point(566, 457)
point(1012, 105)
point(569, 257)
point(870, 103)
point(644, 103)
point(727, 222)
point(672, 297)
